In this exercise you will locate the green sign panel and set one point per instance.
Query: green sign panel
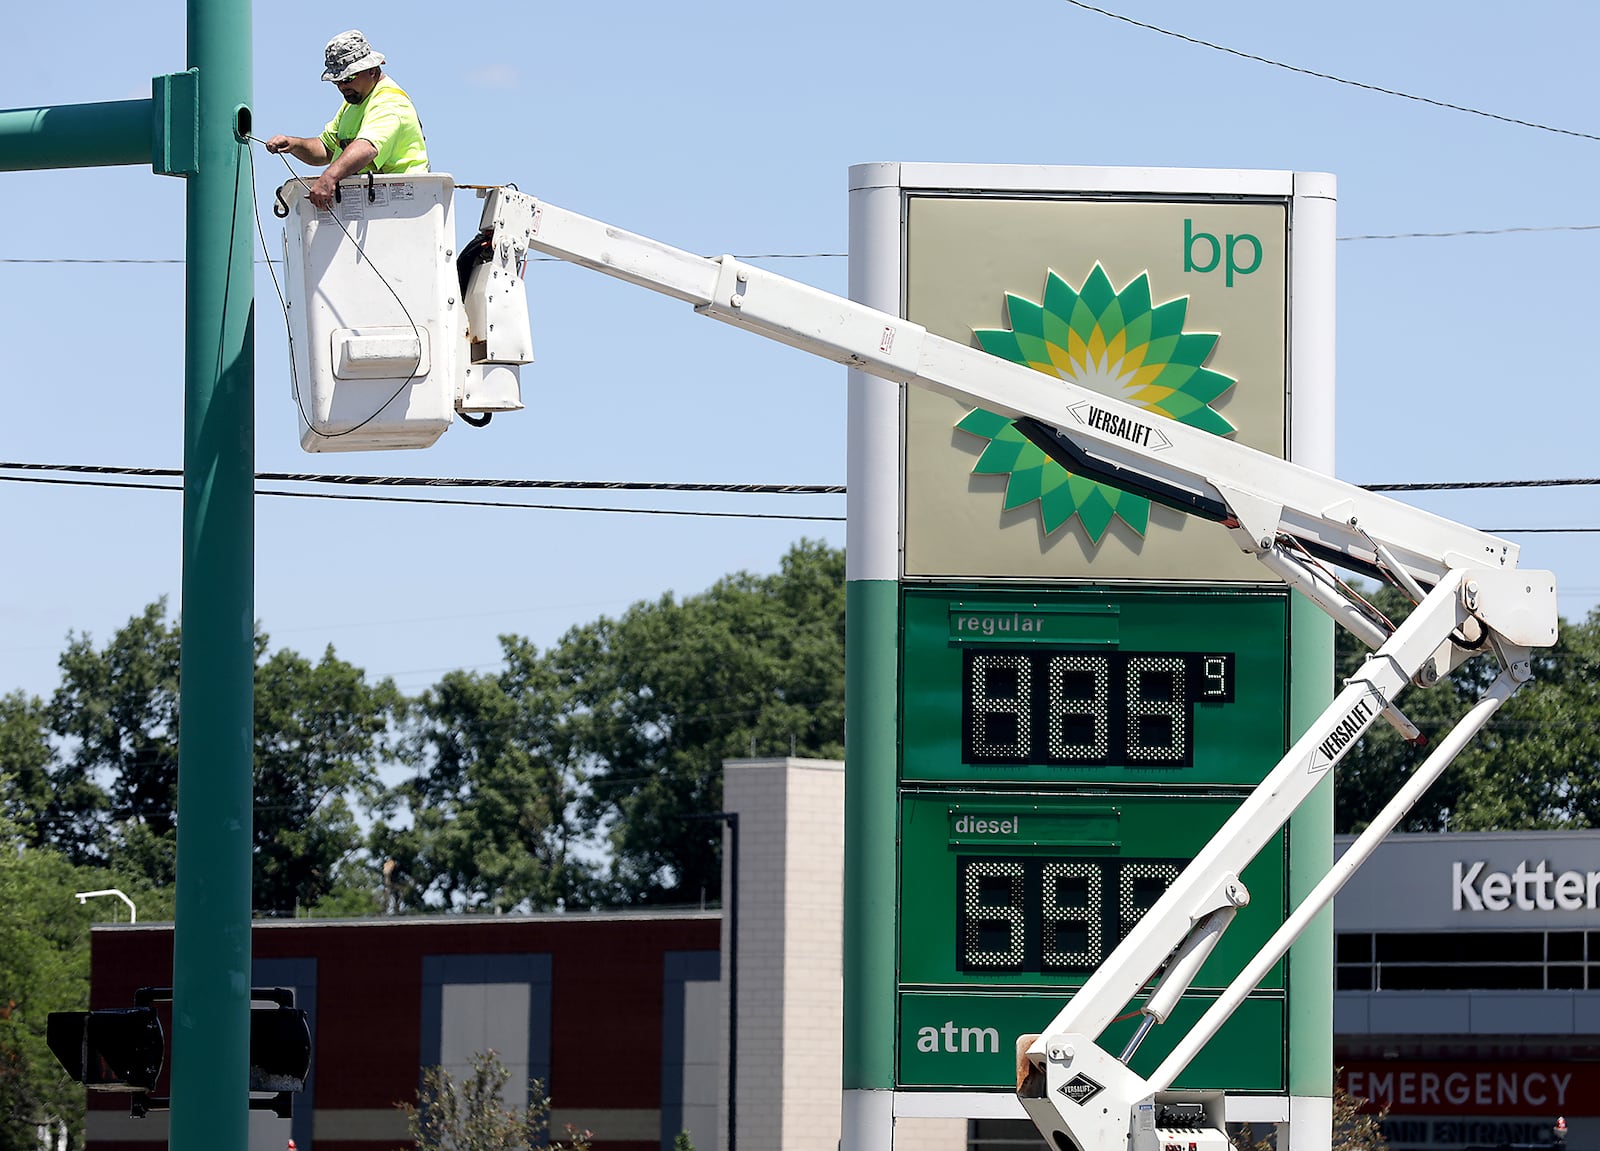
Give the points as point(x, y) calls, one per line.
point(1064, 754)
point(1123, 686)
point(969, 1041)
point(1034, 891)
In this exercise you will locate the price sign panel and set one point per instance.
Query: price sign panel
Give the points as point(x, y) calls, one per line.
point(1064, 756)
point(1125, 686)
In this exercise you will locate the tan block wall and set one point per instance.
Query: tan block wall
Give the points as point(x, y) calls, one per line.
point(791, 999)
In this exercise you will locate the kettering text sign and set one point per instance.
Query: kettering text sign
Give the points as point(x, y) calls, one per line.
point(1507, 880)
point(1476, 886)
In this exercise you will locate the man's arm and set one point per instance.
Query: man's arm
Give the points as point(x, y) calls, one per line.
point(350, 161)
point(306, 149)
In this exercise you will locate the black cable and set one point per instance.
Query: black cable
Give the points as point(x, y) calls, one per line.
point(449, 503)
point(1473, 232)
point(1329, 76)
point(1481, 485)
point(584, 507)
point(741, 489)
point(440, 481)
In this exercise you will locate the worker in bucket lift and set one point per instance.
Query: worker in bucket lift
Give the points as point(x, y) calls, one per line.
point(377, 129)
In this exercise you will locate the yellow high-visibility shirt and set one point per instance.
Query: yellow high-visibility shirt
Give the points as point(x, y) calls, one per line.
point(388, 120)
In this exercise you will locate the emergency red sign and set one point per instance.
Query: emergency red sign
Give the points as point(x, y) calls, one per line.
point(1476, 1088)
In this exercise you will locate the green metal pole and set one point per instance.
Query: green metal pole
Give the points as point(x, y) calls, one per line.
point(75, 135)
point(211, 950)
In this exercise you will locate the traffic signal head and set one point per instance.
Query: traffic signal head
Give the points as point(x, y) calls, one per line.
point(280, 1049)
point(114, 1049)
point(122, 1048)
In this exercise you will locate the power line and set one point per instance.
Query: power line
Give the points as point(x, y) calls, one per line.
point(608, 485)
point(690, 512)
point(1474, 485)
point(1509, 230)
point(457, 482)
point(1473, 232)
point(1330, 76)
point(178, 260)
point(669, 486)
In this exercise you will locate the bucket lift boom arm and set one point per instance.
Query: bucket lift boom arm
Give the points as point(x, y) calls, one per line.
point(1470, 595)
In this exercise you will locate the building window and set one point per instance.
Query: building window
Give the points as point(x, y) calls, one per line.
point(1467, 961)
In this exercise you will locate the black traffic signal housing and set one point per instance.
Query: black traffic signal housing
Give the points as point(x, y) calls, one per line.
point(123, 1048)
point(116, 1049)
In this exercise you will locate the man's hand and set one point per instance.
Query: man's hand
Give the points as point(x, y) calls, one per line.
point(306, 149)
point(346, 165)
point(322, 191)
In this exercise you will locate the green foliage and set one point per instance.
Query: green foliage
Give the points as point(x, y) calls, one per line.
point(473, 1115)
point(107, 793)
point(490, 823)
point(117, 708)
point(682, 1142)
point(661, 696)
point(1538, 762)
point(26, 757)
point(44, 967)
point(1533, 766)
point(321, 733)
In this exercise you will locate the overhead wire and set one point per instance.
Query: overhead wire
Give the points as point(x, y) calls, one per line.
point(671, 486)
point(1215, 47)
point(689, 512)
point(1509, 230)
point(640, 486)
point(446, 481)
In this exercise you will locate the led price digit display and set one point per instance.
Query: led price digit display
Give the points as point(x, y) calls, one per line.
point(1087, 709)
point(1051, 915)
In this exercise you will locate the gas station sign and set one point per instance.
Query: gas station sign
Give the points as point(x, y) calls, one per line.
point(1086, 683)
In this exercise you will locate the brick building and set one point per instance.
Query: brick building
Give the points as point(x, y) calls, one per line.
point(623, 1015)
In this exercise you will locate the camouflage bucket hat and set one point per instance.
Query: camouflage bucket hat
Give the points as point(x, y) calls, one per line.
point(349, 53)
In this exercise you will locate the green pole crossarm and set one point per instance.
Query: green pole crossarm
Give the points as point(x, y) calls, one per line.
point(160, 131)
point(76, 135)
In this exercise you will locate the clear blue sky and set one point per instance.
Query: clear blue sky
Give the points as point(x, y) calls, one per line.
point(729, 127)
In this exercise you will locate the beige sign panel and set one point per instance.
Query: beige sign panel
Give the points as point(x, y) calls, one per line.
point(1226, 258)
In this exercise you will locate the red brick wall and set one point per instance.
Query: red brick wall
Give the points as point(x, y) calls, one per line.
point(606, 986)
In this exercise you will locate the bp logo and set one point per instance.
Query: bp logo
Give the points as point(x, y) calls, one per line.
point(1080, 1089)
point(1115, 343)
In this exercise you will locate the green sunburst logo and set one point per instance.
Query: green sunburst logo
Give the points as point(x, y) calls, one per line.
point(1112, 342)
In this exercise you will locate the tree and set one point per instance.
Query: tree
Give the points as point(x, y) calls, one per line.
point(1537, 764)
point(1354, 1127)
point(117, 709)
point(475, 1115)
point(491, 806)
point(661, 696)
point(44, 967)
point(25, 759)
point(321, 733)
point(1534, 765)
